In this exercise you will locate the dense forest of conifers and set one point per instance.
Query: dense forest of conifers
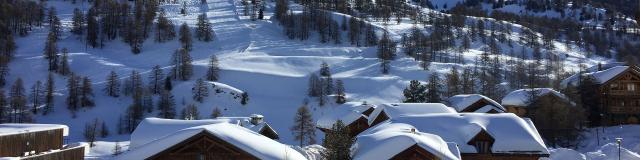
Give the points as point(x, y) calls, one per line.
point(106, 20)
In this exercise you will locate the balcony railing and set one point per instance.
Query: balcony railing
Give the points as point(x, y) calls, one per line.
point(67, 153)
point(624, 110)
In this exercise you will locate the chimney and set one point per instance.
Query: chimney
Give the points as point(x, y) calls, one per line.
point(256, 119)
point(599, 66)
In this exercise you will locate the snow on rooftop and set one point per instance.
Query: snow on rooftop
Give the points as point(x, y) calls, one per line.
point(18, 128)
point(461, 102)
point(512, 134)
point(347, 113)
point(521, 97)
point(151, 129)
point(406, 109)
point(243, 138)
point(607, 73)
point(388, 139)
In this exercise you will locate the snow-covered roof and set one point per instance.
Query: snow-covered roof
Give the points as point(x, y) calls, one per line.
point(347, 113)
point(19, 128)
point(607, 72)
point(462, 101)
point(251, 142)
point(406, 109)
point(151, 129)
point(512, 134)
point(388, 139)
point(521, 97)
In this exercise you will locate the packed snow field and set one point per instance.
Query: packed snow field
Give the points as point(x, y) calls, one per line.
point(255, 57)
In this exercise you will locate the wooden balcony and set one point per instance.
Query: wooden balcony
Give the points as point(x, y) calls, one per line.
point(623, 92)
point(67, 153)
point(624, 110)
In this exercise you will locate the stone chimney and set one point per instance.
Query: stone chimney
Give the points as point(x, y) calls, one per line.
point(599, 66)
point(256, 119)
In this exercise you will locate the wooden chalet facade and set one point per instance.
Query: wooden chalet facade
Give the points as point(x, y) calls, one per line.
point(415, 152)
point(483, 142)
point(614, 93)
point(619, 98)
point(203, 146)
point(522, 102)
point(356, 127)
point(474, 103)
point(358, 121)
point(526, 111)
point(479, 104)
point(37, 141)
point(215, 141)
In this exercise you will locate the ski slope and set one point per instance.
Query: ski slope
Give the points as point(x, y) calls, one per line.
point(255, 57)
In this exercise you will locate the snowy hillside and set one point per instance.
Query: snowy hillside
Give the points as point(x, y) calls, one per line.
point(254, 55)
point(257, 58)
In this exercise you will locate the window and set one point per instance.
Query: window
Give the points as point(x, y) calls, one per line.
point(631, 87)
point(482, 147)
point(615, 86)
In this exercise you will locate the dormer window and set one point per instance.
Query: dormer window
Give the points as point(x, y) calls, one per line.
point(483, 146)
point(483, 142)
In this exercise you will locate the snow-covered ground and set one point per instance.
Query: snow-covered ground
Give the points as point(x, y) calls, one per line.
point(607, 147)
point(255, 57)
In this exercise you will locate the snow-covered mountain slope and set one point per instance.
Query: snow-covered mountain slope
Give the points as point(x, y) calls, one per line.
point(255, 57)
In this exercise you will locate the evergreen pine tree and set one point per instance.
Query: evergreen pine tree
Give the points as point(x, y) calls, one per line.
point(213, 69)
point(147, 101)
point(303, 129)
point(414, 93)
point(182, 67)
point(155, 80)
point(104, 130)
point(244, 98)
point(92, 28)
point(338, 142)
point(341, 97)
point(190, 112)
point(48, 100)
point(216, 113)
point(165, 29)
point(386, 51)
point(51, 51)
point(73, 93)
point(112, 88)
point(36, 96)
point(4, 70)
point(18, 103)
point(86, 93)
point(199, 90)
point(166, 105)
point(91, 132)
point(167, 84)
point(78, 22)
point(453, 82)
point(135, 114)
point(4, 111)
point(117, 149)
point(204, 31)
point(433, 94)
point(185, 37)
point(64, 68)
